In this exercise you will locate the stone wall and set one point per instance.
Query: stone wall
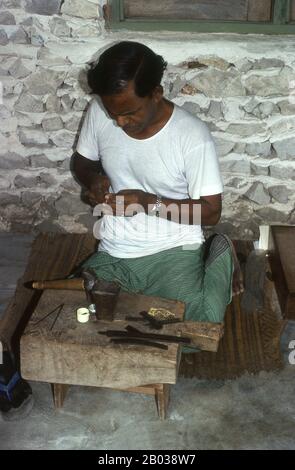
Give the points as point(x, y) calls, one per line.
point(243, 86)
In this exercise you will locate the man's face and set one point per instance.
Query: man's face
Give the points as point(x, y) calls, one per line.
point(132, 113)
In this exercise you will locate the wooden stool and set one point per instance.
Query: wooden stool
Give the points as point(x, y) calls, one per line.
point(57, 349)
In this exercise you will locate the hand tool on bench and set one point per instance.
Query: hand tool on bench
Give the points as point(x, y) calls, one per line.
point(139, 341)
point(131, 332)
point(152, 321)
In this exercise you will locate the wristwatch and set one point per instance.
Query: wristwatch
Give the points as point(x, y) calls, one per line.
point(156, 209)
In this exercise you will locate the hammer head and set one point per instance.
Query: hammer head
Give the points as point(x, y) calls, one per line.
point(89, 277)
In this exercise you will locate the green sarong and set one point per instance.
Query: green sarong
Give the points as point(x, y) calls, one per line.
point(179, 273)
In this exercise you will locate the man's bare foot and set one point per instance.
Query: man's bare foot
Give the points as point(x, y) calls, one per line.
point(238, 278)
point(214, 246)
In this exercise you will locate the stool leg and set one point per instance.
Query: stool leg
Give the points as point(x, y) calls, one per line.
point(162, 395)
point(59, 392)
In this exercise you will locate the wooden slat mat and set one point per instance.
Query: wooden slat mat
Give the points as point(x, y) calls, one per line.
point(53, 256)
point(250, 343)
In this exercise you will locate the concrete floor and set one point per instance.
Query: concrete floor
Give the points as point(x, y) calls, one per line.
point(253, 412)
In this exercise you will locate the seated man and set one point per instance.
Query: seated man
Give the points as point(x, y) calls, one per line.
point(162, 183)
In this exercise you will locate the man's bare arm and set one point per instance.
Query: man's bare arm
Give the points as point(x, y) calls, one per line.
point(205, 211)
point(208, 208)
point(86, 172)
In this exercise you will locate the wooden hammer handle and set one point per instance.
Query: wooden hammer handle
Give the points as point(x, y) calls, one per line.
point(71, 284)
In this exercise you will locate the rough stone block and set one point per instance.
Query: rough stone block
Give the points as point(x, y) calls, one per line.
point(175, 86)
point(268, 108)
point(283, 172)
point(18, 69)
point(63, 139)
point(80, 104)
point(250, 106)
point(21, 181)
point(91, 30)
point(283, 126)
point(259, 170)
point(70, 185)
point(261, 85)
point(191, 107)
point(236, 183)
point(29, 104)
point(49, 58)
point(59, 27)
point(8, 199)
point(259, 148)
point(258, 193)
point(215, 110)
point(223, 146)
point(280, 193)
point(270, 215)
point(80, 8)
point(232, 110)
point(44, 82)
point(214, 61)
point(285, 148)
point(240, 147)
point(67, 102)
point(5, 113)
point(12, 160)
point(217, 83)
point(43, 7)
point(73, 123)
point(30, 198)
point(32, 136)
point(41, 161)
point(4, 183)
point(10, 4)
point(53, 104)
point(52, 124)
point(189, 89)
point(267, 63)
point(7, 18)
point(19, 36)
point(46, 180)
point(3, 38)
point(240, 165)
point(245, 129)
point(9, 125)
point(287, 107)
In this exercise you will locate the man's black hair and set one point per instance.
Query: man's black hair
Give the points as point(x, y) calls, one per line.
point(123, 62)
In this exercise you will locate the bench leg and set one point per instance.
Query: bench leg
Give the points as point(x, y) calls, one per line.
point(161, 392)
point(162, 395)
point(59, 392)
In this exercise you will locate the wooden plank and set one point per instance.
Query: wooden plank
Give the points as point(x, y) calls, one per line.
point(192, 9)
point(205, 336)
point(204, 26)
point(282, 260)
point(59, 392)
point(259, 10)
point(292, 13)
point(162, 400)
point(281, 11)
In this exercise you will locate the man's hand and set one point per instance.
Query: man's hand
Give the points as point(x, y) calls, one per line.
point(98, 190)
point(127, 202)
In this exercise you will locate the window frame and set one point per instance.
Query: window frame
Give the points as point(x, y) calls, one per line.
point(280, 23)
